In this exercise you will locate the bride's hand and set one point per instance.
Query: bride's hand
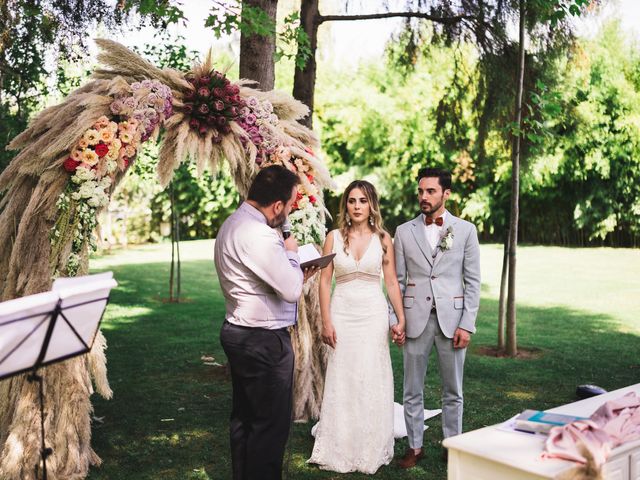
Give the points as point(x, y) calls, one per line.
point(398, 335)
point(329, 335)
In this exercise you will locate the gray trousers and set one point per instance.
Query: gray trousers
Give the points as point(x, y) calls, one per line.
point(450, 363)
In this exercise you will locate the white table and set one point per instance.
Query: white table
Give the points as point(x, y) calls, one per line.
point(492, 454)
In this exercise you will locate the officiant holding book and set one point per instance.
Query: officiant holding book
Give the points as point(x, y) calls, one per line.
point(261, 280)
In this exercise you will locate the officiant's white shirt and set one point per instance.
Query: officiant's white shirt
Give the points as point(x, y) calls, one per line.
point(260, 280)
point(433, 231)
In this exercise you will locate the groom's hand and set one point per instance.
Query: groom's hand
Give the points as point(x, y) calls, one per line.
point(397, 335)
point(461, 338)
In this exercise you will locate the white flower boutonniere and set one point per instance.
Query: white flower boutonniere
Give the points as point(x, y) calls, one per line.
point(446, 240)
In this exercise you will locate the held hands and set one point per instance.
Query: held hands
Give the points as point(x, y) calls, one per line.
point(461, 338)
point(329, 335)
point(398, 334)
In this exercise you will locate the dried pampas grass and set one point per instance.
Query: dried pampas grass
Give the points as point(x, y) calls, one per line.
point(31, 185)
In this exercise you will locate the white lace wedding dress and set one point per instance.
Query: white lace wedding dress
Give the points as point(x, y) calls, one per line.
point(355, 431)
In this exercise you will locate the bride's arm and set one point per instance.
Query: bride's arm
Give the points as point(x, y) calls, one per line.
point(326, 275)
point(391, 281)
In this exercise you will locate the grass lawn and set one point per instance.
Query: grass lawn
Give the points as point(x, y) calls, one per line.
point(169, 414)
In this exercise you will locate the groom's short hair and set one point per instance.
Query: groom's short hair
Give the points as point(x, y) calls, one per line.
point(443, 176)
point(272, 183)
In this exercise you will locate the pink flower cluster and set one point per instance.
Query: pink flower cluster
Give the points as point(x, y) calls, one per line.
point(307, 190)
point(258, 120)
point(150, 103)
point(212, 103)
point(105, 146)
point(112, 143)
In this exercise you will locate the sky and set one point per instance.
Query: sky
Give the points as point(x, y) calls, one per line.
point(339, 38)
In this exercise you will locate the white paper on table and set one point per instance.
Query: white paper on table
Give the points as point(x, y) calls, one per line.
point(510, 426)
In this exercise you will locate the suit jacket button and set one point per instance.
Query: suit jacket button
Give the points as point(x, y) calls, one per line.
point(433, 277)
point(428, 299)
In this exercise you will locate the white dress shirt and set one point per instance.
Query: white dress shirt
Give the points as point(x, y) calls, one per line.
point(260, 280)
point(433, 231)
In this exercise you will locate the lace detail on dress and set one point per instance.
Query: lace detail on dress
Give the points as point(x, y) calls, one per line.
point(355, 431)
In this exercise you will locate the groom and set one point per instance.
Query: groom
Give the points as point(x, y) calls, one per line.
point(438, 266)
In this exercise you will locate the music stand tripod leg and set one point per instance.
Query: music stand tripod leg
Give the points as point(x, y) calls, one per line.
point(44, 451)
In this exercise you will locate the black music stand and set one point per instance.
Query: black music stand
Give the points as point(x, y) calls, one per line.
point(38, 330)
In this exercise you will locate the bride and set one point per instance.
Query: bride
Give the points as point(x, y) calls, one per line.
point(355, 431)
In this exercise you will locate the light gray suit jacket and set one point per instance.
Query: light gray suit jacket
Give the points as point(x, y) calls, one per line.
point(450, 278)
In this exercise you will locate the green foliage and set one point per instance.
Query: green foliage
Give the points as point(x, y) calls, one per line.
point(581, 123)
point(555, 11)
point(292, 41)
point(203, 202)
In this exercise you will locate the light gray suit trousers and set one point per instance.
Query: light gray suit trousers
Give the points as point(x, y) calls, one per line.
point(440, 292)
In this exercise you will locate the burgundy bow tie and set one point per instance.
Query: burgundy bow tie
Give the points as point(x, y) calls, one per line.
point(438, 221)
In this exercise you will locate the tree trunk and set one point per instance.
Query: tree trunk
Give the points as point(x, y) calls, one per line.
point(512, 343)
point(173, 241)
point(503, 290)
point(257, 52)
point(304, 80)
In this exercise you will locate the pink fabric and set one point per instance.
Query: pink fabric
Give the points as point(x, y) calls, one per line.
point(614, 423)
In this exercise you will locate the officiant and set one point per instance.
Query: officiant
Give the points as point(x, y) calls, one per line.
point(261, 280)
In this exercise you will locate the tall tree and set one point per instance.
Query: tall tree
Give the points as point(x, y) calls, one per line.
point(258, 48)
point(512, 342)
point(311, 19)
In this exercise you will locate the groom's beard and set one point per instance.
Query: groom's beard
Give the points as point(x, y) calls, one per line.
point(277, 221)
point(429, 209)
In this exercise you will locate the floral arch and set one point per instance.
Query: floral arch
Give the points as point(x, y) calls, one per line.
point(71, 158)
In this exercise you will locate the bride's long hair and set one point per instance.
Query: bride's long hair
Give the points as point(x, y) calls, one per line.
point(374, 213)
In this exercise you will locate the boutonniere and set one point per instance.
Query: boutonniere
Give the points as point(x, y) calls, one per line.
point(446, 240)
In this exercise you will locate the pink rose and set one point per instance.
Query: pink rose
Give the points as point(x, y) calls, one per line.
point(218, 92)
point(203, 92)
point(219, 105)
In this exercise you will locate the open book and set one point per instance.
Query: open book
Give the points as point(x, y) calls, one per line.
point(309, 257)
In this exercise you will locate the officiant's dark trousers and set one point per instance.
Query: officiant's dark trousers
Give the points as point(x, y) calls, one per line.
point(261, 363)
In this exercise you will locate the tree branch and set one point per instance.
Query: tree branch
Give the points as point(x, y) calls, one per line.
point(374, 16)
